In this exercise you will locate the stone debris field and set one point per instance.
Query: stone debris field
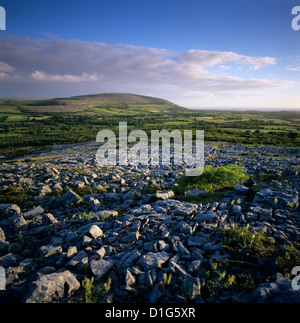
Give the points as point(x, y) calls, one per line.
point(78, 232)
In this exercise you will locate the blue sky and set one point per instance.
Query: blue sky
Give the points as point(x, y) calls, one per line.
point(197, 53)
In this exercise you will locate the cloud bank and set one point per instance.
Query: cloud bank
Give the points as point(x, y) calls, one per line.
point(59, 68)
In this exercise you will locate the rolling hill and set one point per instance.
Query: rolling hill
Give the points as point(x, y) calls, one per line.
point(98, 104)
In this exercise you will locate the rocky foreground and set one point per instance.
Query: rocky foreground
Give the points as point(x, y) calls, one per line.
point(83, 233)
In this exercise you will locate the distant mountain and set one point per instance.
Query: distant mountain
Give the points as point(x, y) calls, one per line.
point(106, 104)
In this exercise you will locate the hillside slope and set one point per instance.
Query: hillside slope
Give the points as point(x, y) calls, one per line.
point(105, 103)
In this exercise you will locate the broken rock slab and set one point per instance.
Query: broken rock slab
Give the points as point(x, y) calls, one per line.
point(100, 267)
point(52, 287)
point(7, 210)
point(153, 260)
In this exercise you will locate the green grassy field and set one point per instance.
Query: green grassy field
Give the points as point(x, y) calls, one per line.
point(16, 118)
point(9, 109)
point(129, 109)
point(26, 126)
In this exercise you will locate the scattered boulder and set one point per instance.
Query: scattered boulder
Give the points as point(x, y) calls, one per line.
point(45, 189)
point(191, 288)
point(7, 210)
point(70, 198)
point(100, 267)
point(153, 260)
point(95, 232)
point(53, 287)
point(280, 291)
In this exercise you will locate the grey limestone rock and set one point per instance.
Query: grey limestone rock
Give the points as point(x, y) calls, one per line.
point(153, 260)
point(7, 210)
point(100, 267)
point(53, 287)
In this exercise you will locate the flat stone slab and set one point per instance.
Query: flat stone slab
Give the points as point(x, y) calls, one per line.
point(100, 267)
point(153, 260)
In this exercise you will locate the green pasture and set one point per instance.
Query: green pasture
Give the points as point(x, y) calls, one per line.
point(9, 109)
point(16, 118)
point(129, 109)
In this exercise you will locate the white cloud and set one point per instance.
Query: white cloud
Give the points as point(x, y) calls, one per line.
point(224, 67)
point(6, 68)
point(66, 78)
point(213, 58)
point(58, 67)
point(293, 68)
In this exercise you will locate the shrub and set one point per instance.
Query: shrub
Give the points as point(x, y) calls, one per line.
point(246, 245)
point(15, 194)
point(217, 279)
point(165, 282)
point(290, 259)
point(94, 293)
point(212, 179)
